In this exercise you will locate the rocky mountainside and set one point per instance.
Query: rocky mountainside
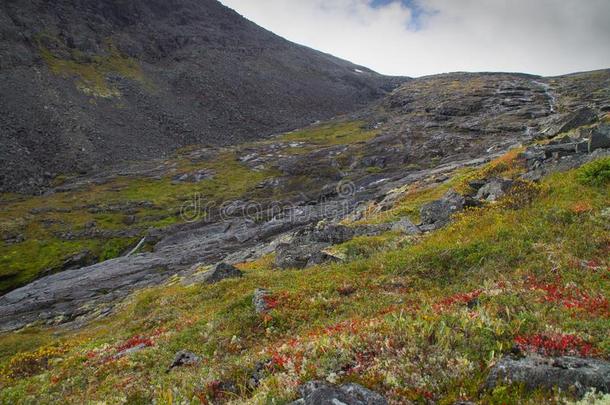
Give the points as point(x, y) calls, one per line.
point(89, 83)
point(446, 243)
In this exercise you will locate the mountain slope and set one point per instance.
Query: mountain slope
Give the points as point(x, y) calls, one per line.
point(88, 83)
point(400, 248)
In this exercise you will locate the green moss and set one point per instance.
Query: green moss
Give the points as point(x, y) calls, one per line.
point(92, 71)
point(340, 133)
point(22, 262)
point(374, 170)
point(596, 173)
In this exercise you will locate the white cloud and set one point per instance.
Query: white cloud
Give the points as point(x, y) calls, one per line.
point(547, 37)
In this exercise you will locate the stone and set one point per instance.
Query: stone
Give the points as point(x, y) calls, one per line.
point(129, 352)
point(333, 233)
point(405, 226)
point(494, 189)
point(439, 212)
point(583, 116)
point(560, 149)
point(217, 273)
point(260, 300)
point(582, 146)
point(323, 393)
point(600, 138)
point(570, 374)
point(185, 358)
point(476, 184)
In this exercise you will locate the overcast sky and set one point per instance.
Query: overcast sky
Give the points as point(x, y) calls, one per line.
point(421, 37)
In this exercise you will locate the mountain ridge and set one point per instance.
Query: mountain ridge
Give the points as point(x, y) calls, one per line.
point(110, 81)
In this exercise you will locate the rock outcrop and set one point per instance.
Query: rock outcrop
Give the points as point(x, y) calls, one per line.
point(323, 393)
point(571, 374)
point(438, 213)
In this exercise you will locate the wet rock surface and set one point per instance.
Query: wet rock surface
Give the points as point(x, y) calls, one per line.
point(571, 374)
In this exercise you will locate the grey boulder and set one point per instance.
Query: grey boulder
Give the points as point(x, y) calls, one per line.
point(323, 393)
point(494, 189)
point(570, 374)
point(600, 137)
point(260, 300)
point(185, 358)
point(438, 213)
point(405, 226)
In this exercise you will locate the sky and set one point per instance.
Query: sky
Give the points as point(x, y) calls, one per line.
point(421, 37)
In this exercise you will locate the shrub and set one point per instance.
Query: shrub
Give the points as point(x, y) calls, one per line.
point(596, 173)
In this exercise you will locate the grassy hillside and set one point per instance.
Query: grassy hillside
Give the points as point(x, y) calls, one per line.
point(421, 318)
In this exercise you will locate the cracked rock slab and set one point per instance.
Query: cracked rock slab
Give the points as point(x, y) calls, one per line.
point(570, 374)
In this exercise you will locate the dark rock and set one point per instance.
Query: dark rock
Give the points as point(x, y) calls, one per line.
point(260, 300)
point(184, 358)
point(217, 273)
point(76, 261)
point(494, 189)
point(322, 393)
point(533, 175)
point(195, 177)
point(74, 295)
point(476, 184)
point(534, 156)
point(570, 374)
point(90, 225)
point(584, 116)
point(439, 212)
point(600, 138)
point(332, 233)
point(559, 150)
point(582, 146)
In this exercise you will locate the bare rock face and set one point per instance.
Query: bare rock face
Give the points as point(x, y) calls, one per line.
point(570, 374)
